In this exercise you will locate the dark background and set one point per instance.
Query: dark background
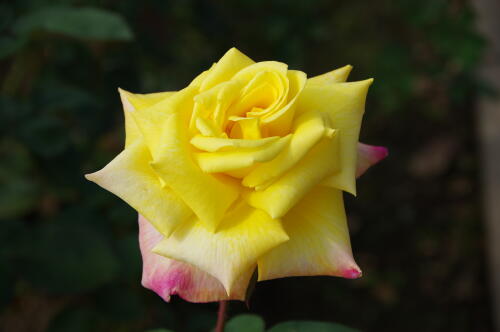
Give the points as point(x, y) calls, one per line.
point(69, 255)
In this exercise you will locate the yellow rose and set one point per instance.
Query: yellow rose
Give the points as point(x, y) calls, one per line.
point(242, 169)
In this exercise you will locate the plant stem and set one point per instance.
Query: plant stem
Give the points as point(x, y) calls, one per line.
point(221, 316)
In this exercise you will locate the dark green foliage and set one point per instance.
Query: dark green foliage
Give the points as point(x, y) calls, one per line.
point(245, 323)
point(310, 327)
point(69, 257)
point(84, 23)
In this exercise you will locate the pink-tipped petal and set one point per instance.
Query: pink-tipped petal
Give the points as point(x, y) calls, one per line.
point(369, 155)
point(352, 273)
point(319, 240)
point(168, 277)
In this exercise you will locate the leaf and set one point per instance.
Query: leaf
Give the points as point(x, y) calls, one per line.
point(6, 16)
point(19, 189)
point(10, 45)
point(159, 330)
point(245, 323)
point(200, 321)
point(69, 257)
point(84, 23)
point(7, 287)
point(46, 135)
point(76, 320)
point(129, 256)
point(310, 326)
point(120, 303)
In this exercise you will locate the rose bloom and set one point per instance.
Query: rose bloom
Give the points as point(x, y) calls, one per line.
point(243, 169)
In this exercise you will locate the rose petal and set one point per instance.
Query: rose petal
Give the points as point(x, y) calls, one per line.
point(207, 127)
point(345, 104)
point(335, 76)
point(151, 120)
point(223, 161)
point(231, 63)
point(319, 240)
point(212, 144)
point(280, 121)
point(309, 128)
point(130, 177)
point(131, 103)
point(168, 277)
point(207, 195)
point(282, 195)
point(246, 128)
point(244, 235)
point(266, 89)
point(213, 103)
point(369, 155)
point(140, 101)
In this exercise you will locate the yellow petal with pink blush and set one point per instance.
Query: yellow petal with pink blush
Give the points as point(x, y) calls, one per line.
point(319, 240)
point(344, 103)
point(209, 196)
point(308, 129)
point(335, 76)
point(168, 277)
point(224, 161)
point(282, 195)
point(369, 155)
point(130, 177)
point(242, 237)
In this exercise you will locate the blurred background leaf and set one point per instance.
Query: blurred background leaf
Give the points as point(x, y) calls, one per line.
point(85, 23)
point(310, 327)
point(245, 323)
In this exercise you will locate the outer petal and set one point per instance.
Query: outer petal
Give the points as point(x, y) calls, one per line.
point(335, 76)
point(231, 63)
point(130, 177)
point(151, 120)
point(140, 101)
point(207, 195)
point(345, 104)
point(319, 240)
point(369, 155)
point(168, 277)
point(133, 103)
point(282, 195)
point(244, 235)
